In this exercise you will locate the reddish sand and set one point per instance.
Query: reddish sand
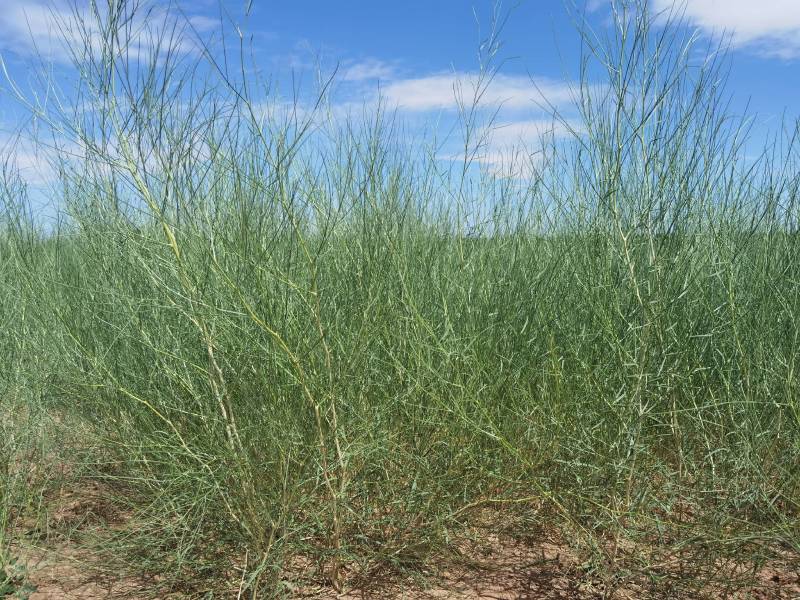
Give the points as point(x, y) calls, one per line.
point(497, 569)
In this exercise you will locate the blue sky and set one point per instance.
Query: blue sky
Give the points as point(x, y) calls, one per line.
point(414, 50)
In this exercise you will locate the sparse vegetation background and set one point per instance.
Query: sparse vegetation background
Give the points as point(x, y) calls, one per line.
point(283, 341)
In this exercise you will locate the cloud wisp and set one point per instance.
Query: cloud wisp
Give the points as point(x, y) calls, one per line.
point(32, 163)
point(514, 149)
point(367, 70)
point(441, 91)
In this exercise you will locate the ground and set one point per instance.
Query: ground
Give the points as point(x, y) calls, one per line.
point(494, 567)
point(65, 573)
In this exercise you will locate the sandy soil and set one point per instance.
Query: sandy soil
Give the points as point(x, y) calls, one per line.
point(510, 573)
point(496, 569)
point(62, 574)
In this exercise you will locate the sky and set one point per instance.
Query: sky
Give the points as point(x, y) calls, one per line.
point(411, 52)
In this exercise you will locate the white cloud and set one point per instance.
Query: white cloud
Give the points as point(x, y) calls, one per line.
point(46, 27)
point(33, 163)
point(367, 70)
point(771, 27)
point(527, 133)
point(514, 148)
point(441, 92)
point(594, 5)
point(31, 27)
point(202, 23)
